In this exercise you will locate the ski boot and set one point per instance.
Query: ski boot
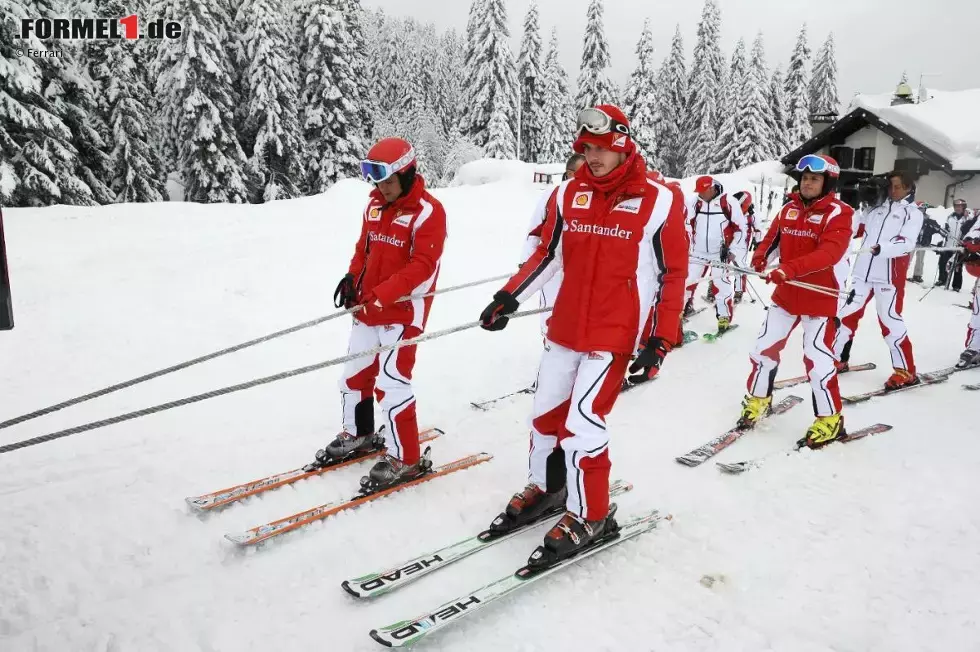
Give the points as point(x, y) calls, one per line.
point(754, 409)
point(738, 298)
point(689, 308)
point(901, 378)
point(724, 323)
point(529, 506)
point(391, 471)
point(346, 446)
point(570, 536)
point(823, 431)
point(968, 359)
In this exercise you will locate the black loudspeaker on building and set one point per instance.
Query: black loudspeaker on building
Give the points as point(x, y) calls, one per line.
point(6, 304)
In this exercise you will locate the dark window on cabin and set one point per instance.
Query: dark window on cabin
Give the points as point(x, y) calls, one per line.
point(843, 155)
point(864, 159)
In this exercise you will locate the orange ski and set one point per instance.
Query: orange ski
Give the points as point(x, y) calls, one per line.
point(290, 523)
point(223, 497)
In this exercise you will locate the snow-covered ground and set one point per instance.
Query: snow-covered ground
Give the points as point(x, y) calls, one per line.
point(873, 545)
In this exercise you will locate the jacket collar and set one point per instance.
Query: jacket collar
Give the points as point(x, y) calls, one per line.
point(820, 204)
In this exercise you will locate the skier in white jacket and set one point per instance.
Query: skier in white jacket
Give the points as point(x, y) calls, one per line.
point(550, 290)
point(890, 232)
point(719, 233)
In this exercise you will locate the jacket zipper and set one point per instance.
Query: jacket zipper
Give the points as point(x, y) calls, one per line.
point(878, 242)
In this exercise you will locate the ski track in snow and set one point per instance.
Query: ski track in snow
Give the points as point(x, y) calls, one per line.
point(873, 545)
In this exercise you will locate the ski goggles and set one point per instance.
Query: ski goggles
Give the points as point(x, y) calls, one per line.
point(378, 171)
point(597, 122)
point(817, 164)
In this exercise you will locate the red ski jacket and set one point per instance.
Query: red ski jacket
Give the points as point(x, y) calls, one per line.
point(622, 250)
point(398, 255)
point(811, 243)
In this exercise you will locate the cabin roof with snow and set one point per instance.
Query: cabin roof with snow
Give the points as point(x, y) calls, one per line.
point(942, 130)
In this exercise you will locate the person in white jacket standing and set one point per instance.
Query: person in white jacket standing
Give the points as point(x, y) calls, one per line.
point(954, 229)
point(971, 355)
point(550, 290)
point(890, 232)
point(719, 233)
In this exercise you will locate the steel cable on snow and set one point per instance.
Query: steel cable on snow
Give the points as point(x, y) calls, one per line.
point(217, 354)
point(33, 441)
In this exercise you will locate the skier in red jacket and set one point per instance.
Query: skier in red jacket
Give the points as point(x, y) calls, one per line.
point(810, 236)
point(402, 234)
point(620, 240)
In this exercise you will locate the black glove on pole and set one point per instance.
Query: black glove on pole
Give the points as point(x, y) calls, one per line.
point(494, 316)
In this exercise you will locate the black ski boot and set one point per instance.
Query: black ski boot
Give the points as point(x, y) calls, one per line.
point(570, 537)
point(391, 471)
point(346, 446)
point(738, 298)
point(529, 506)
point(968, 359)
point(689, 308)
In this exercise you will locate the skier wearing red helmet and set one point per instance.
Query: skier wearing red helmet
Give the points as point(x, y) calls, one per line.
point(620, 241)
point(810, 236)
point(719, 233)
point(403, 230)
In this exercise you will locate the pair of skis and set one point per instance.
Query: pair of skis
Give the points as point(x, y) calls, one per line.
point(223, 497)
point(404, 633)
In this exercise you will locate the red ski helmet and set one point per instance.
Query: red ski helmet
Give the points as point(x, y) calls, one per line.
point(387, 157)
point(820, 164)
point(604, 126)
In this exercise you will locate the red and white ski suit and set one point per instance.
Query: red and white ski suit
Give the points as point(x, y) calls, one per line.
point(894, 226)
point(811, 242)
point(972, 242)
point(711, 227)
point(622, 247)
point(550, 290)
point(397, 255)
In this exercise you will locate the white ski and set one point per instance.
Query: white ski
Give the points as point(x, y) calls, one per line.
point(386, 581)
point(409, 632)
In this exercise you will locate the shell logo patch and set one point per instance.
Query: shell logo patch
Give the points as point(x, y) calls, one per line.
point(374, 214)
point(582, 199)
point(792, 214)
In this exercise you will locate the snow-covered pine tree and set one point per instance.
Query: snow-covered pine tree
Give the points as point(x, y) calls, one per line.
point(707, 77)
point(137, 173)
point(798, 129)
point(71, 95)
point(271, 132)
point(329, 119)
point(641, 102)
point(32, 138)
point(471, 52)
point(449, 80)
point(500, 143)
point(195, 81)
point(363, 99)
point(755, 137)
point(594, 86)
point(823, 86)
point(777, 115)
point(672, 95)
point(557, 131)
point(529, 80)
point(459, 152)
point(494, 84)
point(731, 131)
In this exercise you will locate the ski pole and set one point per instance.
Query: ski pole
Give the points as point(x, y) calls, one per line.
point(858, 252)
point(820, 289)
point(217, 354)
point(33, 441)
point(758, 296)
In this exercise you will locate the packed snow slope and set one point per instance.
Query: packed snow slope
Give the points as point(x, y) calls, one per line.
point(873, 545)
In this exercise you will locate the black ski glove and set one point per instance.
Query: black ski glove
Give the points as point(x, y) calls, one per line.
point(494, 317)
point(650, 360)
point(725, 253)
point(345, 296)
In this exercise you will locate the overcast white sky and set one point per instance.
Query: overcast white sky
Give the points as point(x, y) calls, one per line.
point(876, 39)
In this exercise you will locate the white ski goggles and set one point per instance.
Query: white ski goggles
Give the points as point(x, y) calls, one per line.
point(378, 171)
point(595, 121)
